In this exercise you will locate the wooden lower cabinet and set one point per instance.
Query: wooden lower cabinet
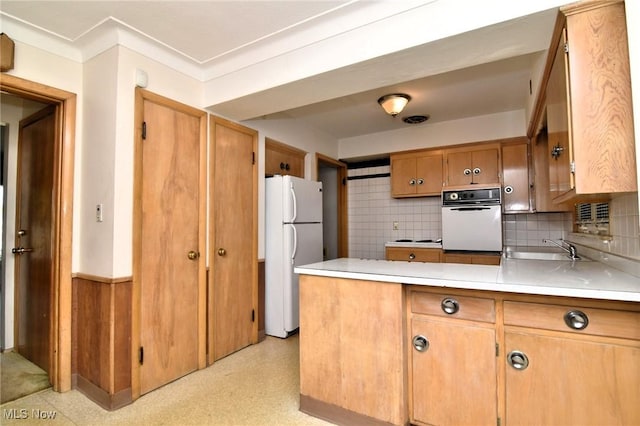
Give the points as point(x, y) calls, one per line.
point(374, 353)
point(413, 254)
point(566, 376)
point(529, 366)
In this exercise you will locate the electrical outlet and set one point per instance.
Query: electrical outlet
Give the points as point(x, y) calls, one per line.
point(395, 225)
point(99, 209)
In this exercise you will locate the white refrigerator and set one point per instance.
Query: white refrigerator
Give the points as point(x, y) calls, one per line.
point(293, 237)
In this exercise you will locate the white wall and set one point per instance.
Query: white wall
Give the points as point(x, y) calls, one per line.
point(107, 172)
point(426, 135)
point(98, 165)
point(163, 81)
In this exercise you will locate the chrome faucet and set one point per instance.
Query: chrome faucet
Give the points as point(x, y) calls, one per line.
point(569, 248)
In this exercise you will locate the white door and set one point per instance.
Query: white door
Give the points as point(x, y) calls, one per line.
point(302, 245)
point(302, 200)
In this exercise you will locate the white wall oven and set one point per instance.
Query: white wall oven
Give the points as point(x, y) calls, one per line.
point(472, 219)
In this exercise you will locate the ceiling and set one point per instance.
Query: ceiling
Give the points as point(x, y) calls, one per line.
point(204, 34)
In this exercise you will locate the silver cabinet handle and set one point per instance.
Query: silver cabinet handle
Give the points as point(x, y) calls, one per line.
point(518, 360)
point(420, 181)
point(576, 320)
point(420, 343)
point(508, 189)
point(477, 171)
point(450, 305)
point(412, 182)
point(467, 172)
point(412, 256)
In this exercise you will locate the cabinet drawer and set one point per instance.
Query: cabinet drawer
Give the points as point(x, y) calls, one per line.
point(600, 322)
point(469, 308)
point(413, 254)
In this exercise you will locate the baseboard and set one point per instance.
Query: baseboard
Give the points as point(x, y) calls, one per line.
point(334, 414)
point(100, 396)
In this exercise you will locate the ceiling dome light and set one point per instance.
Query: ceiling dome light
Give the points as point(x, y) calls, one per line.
point(394, 103)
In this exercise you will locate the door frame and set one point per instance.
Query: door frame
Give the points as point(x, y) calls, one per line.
point(64, 151)
point(142, 95)
point(343, 222)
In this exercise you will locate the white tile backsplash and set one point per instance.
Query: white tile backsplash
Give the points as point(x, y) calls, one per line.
point(372, 213)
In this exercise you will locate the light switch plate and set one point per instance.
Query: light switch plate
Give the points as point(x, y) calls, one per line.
point(99, 209)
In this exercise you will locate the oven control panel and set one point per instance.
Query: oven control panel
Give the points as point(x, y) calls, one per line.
point(471, 196)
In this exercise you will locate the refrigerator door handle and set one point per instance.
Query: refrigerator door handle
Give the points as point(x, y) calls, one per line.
point(295, 244)
point(295, 204)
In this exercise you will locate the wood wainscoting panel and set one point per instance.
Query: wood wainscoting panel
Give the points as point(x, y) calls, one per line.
point(102, 339)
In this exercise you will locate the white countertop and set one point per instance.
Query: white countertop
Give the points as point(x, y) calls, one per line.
point(591, 279)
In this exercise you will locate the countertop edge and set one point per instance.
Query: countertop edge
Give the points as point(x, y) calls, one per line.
point(602, 294)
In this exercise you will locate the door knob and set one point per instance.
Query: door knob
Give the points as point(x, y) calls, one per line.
point(193, 255)
point(221, 252)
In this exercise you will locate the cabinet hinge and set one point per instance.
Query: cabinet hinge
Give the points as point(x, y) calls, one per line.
point(141, 355)
point(344, 181)
point(253, 315)
point(572, 166)
point(144, 130)
point(566, 47)
point(253, 158)
point(499, 422)
point(497, 349)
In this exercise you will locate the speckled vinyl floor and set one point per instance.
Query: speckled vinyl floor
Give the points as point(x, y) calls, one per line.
point(258, 385)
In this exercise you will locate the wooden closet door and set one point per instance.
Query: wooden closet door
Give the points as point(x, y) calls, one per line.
point(171, 274)
point(233, 291)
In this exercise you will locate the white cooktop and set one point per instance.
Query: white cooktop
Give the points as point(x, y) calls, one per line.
point(414, 243)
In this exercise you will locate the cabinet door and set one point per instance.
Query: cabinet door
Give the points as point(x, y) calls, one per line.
point(541, 159)
point(403, 176)
point(476, 166)
point(558, 125)
point(572, 381)
point(453, 381)
point(429, 175)
point(459, 168)
point(484, 166)
point(515, 175)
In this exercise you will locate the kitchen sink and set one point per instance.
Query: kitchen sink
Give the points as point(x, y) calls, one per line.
point(540, 255)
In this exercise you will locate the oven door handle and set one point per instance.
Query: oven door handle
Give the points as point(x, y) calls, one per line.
point(470, 209)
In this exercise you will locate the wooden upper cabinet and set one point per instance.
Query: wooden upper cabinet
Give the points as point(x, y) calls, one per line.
point(516, 194)
point(588, 96)
point(281, 159)
point(416, 174)
point(472, 165)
